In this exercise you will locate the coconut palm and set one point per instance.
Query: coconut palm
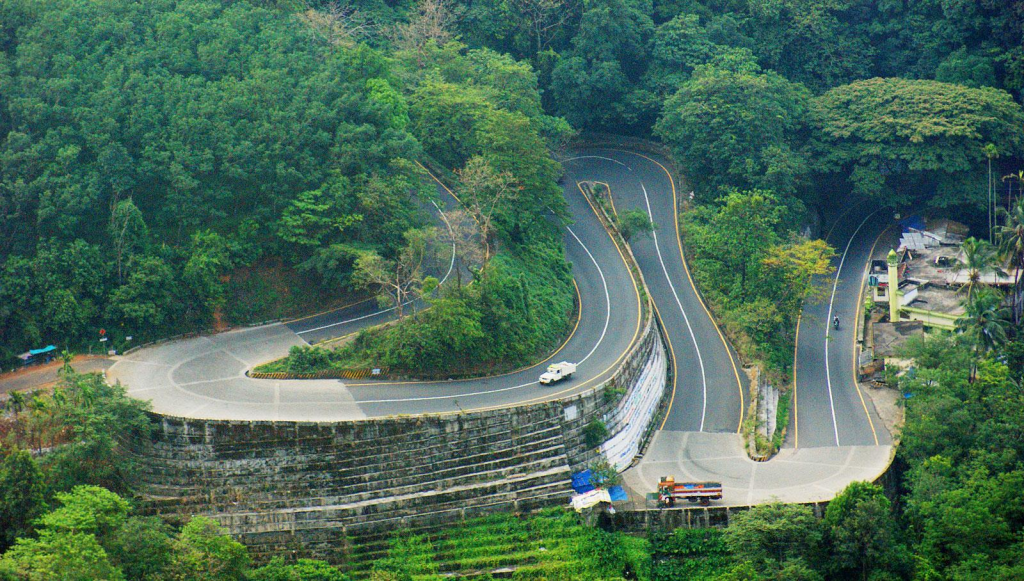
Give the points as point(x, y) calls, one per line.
point(986, 321)
point(1011, 245)
point(979, 258)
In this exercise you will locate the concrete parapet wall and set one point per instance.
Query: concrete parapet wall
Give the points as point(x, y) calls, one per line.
point(308, 489)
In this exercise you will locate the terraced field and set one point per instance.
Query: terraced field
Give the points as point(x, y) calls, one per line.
point(550, 545)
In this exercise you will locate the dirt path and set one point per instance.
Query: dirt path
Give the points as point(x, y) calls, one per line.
point(43, 376)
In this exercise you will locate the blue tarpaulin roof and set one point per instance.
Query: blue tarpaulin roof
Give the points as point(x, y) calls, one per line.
point(581, 481)
point(46, 349)
point(617, 493)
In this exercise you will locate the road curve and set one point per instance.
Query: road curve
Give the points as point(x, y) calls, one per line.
point(708, 393)
point(694, 442)
point(205, 377)
point(698, 438)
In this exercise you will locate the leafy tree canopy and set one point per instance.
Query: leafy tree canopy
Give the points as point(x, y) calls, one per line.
point(738, 128)
point(897, 139)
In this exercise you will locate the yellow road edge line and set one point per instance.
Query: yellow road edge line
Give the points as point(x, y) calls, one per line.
point(796, 351)
point(860, 297)
point(675, 370)
point(552, 396)
point(579, 315)
point(632, 342)
point(796, 340)
point(686, 269)
point(335, 309)
point(657, 313)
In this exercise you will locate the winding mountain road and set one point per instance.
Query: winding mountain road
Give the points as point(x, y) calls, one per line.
point(833, 429)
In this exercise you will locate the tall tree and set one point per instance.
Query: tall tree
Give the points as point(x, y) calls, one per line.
point(732, 128)
point(399, 280)
point(544, 19)
point(485, 193)
point(985, 320)
point(127, 233)
point(770, 535)
point(203, 550)
point(861, 533)
point(1010, 236)
point(22, 501)
point(431, 25)
point(898, 140)
point(978, 258)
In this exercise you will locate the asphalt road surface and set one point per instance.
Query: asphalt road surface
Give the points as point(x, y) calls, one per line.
point(830, 409)
point(833, 433)
point(205, 377)
point(707, 393)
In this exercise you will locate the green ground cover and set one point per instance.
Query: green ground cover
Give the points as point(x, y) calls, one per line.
point(552, 544)
point(517, 311)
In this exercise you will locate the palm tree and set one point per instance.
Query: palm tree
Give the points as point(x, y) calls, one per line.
point(1014, 177)
point(979, 258)
point(1011, 246)
point(986, 320)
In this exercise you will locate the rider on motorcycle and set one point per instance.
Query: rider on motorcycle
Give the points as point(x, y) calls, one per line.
point(835, 322)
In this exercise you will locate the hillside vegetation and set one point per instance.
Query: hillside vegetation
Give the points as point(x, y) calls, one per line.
point(171, 166)
point(168, 166)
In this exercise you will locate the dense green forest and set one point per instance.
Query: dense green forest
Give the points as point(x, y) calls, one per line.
point(172, 166)
point(169, 166)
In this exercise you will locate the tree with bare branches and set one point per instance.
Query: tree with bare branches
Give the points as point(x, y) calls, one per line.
point(432, 23)
point(468, 240)
point(127, 233)
point(544, 18)
point(399, 280)
point(338, 23)
point(483, 190)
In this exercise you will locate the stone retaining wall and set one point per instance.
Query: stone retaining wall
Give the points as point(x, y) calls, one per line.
point(308, 489)
point(669, 519)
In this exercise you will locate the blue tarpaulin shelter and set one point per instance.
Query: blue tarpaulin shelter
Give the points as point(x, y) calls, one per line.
point(36, 355)
point(617, 493)
point(581, 481)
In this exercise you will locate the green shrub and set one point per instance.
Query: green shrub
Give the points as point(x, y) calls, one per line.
point(595, 433)
point(306, 359)
point(517, 310)
point(689, 555)
point(634, 222)
point(781, 419)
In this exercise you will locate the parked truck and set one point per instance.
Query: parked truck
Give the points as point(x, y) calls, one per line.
point(557, 372)
point(703, 492)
